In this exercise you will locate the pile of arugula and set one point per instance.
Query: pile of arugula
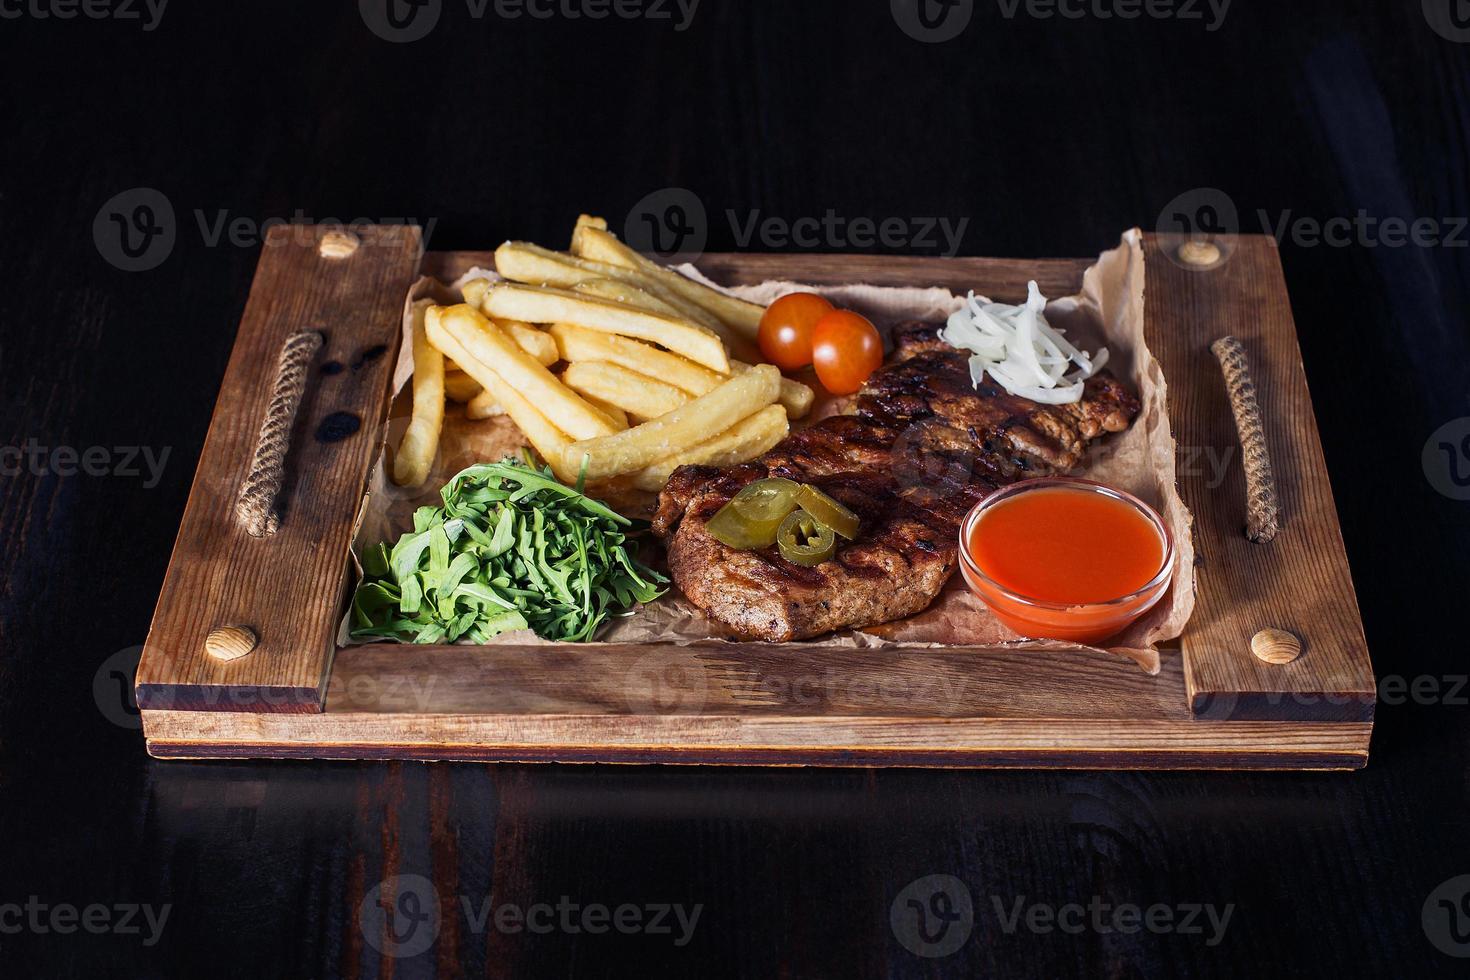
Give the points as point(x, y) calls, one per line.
point(511, 548)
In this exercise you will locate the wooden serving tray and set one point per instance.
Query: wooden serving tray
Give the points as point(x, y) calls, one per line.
point(296, 694)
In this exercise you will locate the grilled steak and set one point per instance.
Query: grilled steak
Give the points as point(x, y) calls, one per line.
point(922, 447)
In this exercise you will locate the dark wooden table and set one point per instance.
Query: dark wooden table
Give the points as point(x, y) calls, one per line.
point(1047, 136)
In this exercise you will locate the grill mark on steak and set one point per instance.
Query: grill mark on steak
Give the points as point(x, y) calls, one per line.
point(921, 448)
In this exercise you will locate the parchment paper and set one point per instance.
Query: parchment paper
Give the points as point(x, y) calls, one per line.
point(1109, 310)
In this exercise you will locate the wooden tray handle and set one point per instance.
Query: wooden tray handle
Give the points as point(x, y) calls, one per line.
point(256, 506)
point(1263, 516)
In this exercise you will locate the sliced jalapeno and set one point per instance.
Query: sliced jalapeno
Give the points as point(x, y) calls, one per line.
point(769, 499)
point(731, 527)
point(827, 511)
point(804, 541)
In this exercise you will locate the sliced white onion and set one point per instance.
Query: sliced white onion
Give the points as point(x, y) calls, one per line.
point(1020, 350)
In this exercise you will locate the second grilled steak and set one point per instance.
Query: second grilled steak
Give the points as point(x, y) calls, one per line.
point(922, 447)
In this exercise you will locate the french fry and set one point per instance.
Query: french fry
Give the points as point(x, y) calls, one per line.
point(576, 343)
point(516, 301)
point(531, 340)
point(483, 406)
point(486, 352)
point(580, 344)
point(549, 441)
point(529, 263)
point(415, 456)
point(597, 243)
point(619, 417)
point(535, 342)
point(591, 221)
point(474, 290)
point(626, 293)
point(795, 396)
point(688, 425)
point(628, 390)
point(743, 441)
point(460, 387)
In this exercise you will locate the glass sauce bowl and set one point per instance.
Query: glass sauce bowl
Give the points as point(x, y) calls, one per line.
point(1084, 622)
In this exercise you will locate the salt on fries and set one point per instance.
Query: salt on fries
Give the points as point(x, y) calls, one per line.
point(688, 425)
point(421, 442)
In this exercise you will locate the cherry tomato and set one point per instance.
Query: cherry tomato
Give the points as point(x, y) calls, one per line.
point(846, 349)
point(786, 329)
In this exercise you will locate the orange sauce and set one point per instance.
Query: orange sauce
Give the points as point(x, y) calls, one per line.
point(1066, 546)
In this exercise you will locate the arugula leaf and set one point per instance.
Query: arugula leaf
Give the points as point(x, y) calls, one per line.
point(512, 548)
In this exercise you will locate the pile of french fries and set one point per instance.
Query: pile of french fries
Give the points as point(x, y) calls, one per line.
point(647, 381)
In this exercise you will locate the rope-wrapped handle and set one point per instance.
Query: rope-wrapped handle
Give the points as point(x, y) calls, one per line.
point(1263, 516)
point(256, 506)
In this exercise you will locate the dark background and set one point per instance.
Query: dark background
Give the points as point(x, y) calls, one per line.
point(1049, 135)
